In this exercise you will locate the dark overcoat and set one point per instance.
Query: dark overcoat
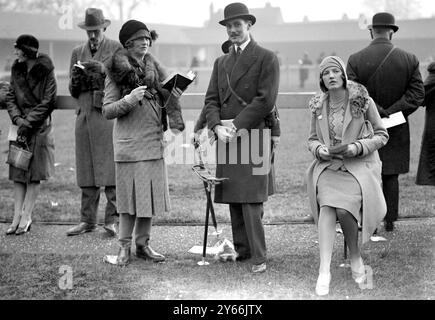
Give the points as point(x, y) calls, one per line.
point(426, 164)
point(93, 133)
point(254, 76)
point(32, 97)
point(397, 86)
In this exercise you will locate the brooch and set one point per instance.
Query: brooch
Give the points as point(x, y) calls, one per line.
point(320, 117)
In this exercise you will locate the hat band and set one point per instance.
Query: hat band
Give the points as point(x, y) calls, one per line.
point(25, 47)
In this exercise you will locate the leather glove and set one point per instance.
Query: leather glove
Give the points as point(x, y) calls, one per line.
point(24, 133)
point(382, 112)
point(351, 151)
point(275, 141)
point(323, 153)
point(136, 95)
point(225, 134)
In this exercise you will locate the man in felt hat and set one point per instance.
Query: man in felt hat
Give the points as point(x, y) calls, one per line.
point(95, 167)
point(243, 89)
point(393, 79)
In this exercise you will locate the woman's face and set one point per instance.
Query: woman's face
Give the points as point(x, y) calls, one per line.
point(333, 78)
point(20, 55)
point(139, 46)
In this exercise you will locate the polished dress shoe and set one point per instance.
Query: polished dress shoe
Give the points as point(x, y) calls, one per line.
point(259, 268)
point(25, 229)
point(322, 285)
point(242, 257)
point(112, 229)
point(82, 227)
point(148, 253)
point(11, 230)
point(123, 256)
point(389, 226)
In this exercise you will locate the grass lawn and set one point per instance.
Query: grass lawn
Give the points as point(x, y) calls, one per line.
point(403, 267)
point(60, 197)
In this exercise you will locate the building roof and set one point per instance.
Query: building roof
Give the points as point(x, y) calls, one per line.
point(267, 15)
point(46, 27)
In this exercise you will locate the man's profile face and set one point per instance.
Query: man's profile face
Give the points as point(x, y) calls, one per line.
point(238, 30)
point(95, 37)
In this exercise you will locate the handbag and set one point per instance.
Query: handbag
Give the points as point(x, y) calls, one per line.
point(18, 156)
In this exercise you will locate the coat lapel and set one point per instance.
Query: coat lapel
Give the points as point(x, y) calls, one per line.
point(323, 122)
point(244, 62)
point(230, 60)
point(347, 118)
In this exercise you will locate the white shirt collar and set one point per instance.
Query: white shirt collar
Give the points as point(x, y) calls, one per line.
point(244, 44)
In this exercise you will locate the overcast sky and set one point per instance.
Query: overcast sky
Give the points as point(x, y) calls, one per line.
point(195, 12)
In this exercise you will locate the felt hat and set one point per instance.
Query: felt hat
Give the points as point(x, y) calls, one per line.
point(94, 19)
point(237, 10)
point(383, 20)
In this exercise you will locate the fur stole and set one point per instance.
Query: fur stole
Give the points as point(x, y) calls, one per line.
point(358, 100)
point(128, 74)
point(42, 67)
point(27, 82)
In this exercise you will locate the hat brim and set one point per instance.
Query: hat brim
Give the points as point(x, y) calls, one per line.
point(392, 26)
point(241, 16)
point(82, 25)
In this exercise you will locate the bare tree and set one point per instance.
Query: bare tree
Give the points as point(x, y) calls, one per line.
point(401, 9)
point(118, 9)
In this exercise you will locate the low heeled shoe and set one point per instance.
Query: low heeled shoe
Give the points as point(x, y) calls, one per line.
point(123, 258)
point(81, 228)
point(147, 253)
point(322, 285)
point(359, 272)
point(259, 268)
point(11, 230)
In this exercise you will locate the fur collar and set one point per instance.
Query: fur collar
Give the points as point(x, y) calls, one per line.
point(128, 73)
point(358, 100)
point(42, 67)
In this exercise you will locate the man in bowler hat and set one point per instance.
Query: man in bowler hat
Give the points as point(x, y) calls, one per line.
point(394, 86)
point(95, 167)
point(243, 89)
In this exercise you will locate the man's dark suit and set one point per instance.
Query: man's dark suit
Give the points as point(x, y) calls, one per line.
point(254, 76)
point(397, 86)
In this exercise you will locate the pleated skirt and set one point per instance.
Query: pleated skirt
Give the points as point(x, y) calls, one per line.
point(340, 189)
point(142, 188)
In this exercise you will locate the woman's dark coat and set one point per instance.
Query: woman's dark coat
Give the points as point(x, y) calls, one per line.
point(32, 97)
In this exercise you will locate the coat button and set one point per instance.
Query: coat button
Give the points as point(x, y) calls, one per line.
point(224, 105)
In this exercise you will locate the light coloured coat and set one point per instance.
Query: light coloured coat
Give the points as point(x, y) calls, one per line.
point(366, 168)
point(93, 133)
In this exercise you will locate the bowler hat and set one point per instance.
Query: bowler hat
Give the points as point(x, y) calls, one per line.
point(383, 20)
point(94, 19)
point(237, 10)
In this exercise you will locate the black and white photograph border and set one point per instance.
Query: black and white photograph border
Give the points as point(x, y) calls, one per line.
point(59, 255)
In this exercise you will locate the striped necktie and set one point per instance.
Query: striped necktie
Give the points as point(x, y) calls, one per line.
point(238, 52)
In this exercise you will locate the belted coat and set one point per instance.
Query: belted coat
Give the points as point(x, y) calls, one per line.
point(93, 133)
